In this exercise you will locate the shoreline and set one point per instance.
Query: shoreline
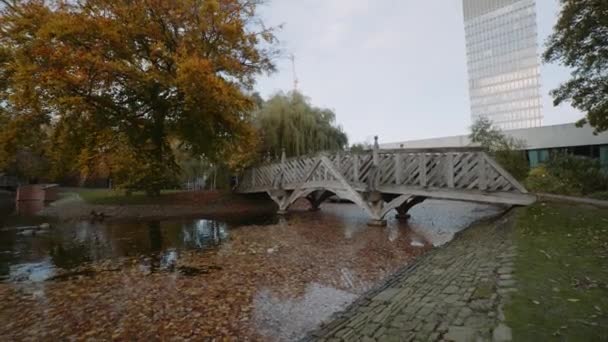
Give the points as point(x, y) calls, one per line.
point(394, 292)
point(184, 205)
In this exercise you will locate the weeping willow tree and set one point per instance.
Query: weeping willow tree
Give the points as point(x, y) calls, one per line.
point(289, 121)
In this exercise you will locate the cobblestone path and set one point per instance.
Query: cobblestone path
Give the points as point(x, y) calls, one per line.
point(453, 293)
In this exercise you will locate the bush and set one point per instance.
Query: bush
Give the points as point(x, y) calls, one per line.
point(541, 180)
point(514, 162)
point(506, 150)
point(602, 195)
point(568, 175)
point(583, 173)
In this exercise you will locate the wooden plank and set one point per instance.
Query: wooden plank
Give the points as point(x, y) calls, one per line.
point(450, 169)
point(339, 162)
point(462, 195)
point(432, 150)
point(422, 170)
point(304, 180)
point(354, 195)
point(505, 174)
point(483, 176)
point(355, 168)
point(398, 168)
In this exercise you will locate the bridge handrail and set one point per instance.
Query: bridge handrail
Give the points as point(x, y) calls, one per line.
point(448, 168)
point(370, 151)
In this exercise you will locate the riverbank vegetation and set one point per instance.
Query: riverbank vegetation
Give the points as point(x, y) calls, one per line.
point(148, 94)
point(569, 175)
point(289, 122)
point(562, 274)
point(119, 197)
point(562, 173)
point(116, 87)
point(505, 149)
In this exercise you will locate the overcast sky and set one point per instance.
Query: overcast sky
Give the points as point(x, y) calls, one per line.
point(396, 68)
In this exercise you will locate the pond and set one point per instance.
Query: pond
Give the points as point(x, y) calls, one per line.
point(267, 278)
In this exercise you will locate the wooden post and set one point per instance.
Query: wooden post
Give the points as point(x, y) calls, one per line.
point(450, 169)
point(376, 156)
point(283, 162)
point(422, 170)
point(398, 169)
point(376, 161)
point(355, 168)
point(283, 158)
point(339, 162)
point(483, 176)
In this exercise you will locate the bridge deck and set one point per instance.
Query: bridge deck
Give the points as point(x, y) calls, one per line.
point(382, 180)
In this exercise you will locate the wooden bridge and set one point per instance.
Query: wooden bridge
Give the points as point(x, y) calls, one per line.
point(379, 181)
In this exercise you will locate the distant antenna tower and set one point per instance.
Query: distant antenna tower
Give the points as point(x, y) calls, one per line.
point(295, 76)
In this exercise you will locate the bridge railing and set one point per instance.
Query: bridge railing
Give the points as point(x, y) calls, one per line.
point(452, 168)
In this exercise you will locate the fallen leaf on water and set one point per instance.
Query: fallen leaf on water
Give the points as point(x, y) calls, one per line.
point(573, 300)
point(536, 302)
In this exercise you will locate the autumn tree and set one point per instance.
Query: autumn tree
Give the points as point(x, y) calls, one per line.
point(135, 73)
point(580, 42)
point(290, 122)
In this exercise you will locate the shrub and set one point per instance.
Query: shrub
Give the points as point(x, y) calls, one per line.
point(602, 195)
point(506, 150)
point(568, 175)
point(514, 162)
point(581, 172)
point(541, 180)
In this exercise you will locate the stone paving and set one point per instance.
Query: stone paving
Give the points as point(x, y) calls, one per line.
point(453, 293)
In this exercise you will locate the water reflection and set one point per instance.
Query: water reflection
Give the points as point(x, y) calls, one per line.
point(319, 302)
point(35, 271)
point(200, 279)
point(69, 245)
point(204, 233)
point(438, 221)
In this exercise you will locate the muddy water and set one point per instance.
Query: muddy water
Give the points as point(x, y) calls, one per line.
point(269, 279)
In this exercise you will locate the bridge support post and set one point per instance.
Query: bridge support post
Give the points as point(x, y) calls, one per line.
point(376, 205)
point(316, 198)
point(375, 200)
point(281, 198)
point(402, 210)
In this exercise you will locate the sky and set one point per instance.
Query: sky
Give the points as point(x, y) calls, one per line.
point(392, 68)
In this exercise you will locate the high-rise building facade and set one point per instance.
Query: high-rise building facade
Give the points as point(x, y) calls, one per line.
point(503, 62)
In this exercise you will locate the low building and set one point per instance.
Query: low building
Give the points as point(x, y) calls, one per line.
point(541, 142)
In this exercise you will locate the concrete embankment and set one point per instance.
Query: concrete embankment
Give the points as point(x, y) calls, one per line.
point(453, 293)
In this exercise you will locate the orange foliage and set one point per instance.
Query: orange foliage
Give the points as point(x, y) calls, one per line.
point(143, 71)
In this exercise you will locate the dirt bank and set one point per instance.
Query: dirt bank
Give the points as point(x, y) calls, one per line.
point(220, 205)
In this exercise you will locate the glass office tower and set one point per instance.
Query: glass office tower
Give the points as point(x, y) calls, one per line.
point(503, 63)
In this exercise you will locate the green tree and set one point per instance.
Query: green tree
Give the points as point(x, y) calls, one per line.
point(289, 121)
point(145, 71)
point(360, 147)
point(505, 149)
point(580, 42)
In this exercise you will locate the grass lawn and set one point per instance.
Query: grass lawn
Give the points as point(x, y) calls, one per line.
point(562, 274)
point(118, 197)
